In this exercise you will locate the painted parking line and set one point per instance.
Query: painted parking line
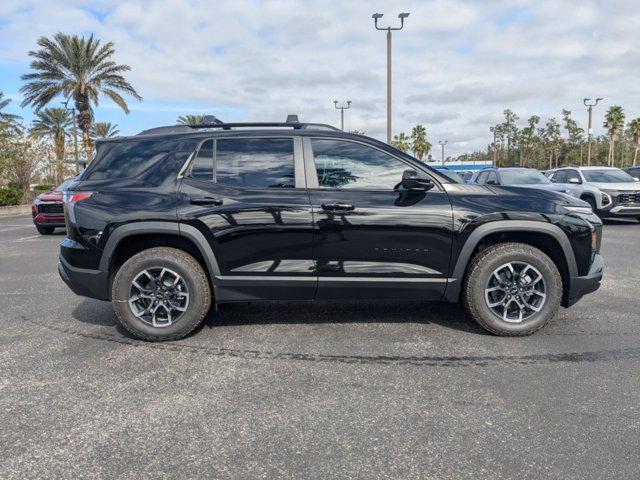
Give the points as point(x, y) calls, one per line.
point(26, 238)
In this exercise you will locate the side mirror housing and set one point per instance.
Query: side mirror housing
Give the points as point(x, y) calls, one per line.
point(575, 181)
point(412, 181)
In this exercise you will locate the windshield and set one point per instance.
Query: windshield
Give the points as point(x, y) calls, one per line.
point(63, 185)
point(523, 177)
point(607, 176)
point(451, 175)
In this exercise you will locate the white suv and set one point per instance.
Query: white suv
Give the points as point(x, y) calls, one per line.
point(611, 192)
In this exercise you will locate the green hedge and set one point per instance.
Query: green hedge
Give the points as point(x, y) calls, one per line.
point(10, 196)
point(41, 188)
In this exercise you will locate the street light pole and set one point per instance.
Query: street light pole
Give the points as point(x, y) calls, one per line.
point(590, 130)
point(376, 17)
point(75, 133)
point(442, 144)
point(342, 109)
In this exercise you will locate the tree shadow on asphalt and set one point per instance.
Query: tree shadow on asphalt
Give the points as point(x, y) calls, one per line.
point(447, 315)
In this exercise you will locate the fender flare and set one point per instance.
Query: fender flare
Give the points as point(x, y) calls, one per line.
point(167, 228)
point(454, 285)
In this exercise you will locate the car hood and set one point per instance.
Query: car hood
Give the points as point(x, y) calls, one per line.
point(50, 197)
point(557, 197)
point(628, 186)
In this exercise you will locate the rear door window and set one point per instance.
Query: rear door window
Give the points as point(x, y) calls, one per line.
point(255, 162)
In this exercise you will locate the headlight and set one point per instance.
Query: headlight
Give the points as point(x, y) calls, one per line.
point(578, 209)
point(606, 199)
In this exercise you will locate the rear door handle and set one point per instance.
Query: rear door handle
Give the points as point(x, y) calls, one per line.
point(343, 207)
point(205, 201)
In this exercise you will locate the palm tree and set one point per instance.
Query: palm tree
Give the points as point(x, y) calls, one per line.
point(634, 131)
point(419, 143)
point(104, 130)
point(6, 119)
point(79, 68)
point(190, 119)
point(614, 123)
point(53, 124)
point(401, 142)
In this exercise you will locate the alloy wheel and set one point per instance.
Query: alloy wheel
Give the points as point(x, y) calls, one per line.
point(158, 296)
point(515, 291)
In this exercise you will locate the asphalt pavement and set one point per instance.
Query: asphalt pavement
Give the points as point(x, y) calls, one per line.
point(315, 390)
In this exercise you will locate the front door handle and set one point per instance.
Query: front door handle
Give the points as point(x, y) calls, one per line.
point(341, 207)
point(205, 201)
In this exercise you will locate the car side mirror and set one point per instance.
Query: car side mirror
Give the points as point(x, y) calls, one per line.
point(575, 180)
point(636, 179)
point(412, 181)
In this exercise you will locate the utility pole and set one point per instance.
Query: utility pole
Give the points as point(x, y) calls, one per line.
point(590, 130)
point(342, 109)
point(376, 17)
point(442, 144)
point(75, 133)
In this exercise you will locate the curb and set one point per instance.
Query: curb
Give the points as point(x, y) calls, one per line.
point(15, 210)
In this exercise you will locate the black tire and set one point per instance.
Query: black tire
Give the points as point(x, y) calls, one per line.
point(480, 271)
point(45, 230)
point(195, 281)
point(592, 203)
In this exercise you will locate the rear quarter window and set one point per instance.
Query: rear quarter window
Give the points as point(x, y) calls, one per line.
point(130, 158)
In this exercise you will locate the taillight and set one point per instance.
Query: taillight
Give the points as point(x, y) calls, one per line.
point(75, 197)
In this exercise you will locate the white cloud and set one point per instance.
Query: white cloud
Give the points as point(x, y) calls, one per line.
point(457, 64)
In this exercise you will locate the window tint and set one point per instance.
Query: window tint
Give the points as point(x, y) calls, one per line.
point(560, 177)
point(203, 163)
point(130, 158)
point(343, 164)
point(255, 162)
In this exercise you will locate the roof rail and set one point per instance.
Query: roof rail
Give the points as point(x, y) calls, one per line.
point(228, 126)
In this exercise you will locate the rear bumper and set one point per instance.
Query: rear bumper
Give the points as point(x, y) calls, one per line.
point(580, 286)
point(84, 282)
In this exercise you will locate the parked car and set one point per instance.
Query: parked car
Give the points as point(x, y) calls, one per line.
point(518, 177)
point(610, 191)
point(47, 210)
point(451, 174)
point(166, 223)
point(634, 172)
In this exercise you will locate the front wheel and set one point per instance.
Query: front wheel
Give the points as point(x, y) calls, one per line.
point(512, 289)
point(161, 294)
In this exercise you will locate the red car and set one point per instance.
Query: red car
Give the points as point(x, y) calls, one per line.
point(47, 210)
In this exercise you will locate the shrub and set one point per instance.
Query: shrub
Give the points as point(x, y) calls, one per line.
point(10, 196)
point(38, 189)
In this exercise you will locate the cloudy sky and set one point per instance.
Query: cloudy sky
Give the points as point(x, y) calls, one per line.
point(457, 64)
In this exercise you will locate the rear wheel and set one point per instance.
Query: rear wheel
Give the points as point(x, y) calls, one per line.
point(161, 294)
point(42, 230)
point(512, 289)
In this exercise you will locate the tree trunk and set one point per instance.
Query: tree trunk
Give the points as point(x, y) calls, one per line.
point(85, 120)
point(635, 155)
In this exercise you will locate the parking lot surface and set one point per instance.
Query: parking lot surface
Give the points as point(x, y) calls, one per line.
point(347, 390)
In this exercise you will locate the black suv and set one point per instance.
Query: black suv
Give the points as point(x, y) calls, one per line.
point(165, 223)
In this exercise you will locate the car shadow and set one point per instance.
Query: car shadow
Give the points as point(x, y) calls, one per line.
point(447, 315)
point(619, 221)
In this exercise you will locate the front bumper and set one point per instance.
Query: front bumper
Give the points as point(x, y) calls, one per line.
point(580, 286)
point(621, 211)
point(49, 220)
point(83, 281)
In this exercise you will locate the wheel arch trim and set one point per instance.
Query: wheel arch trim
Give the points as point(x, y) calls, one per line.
point(453, 287)
point(167, 228)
